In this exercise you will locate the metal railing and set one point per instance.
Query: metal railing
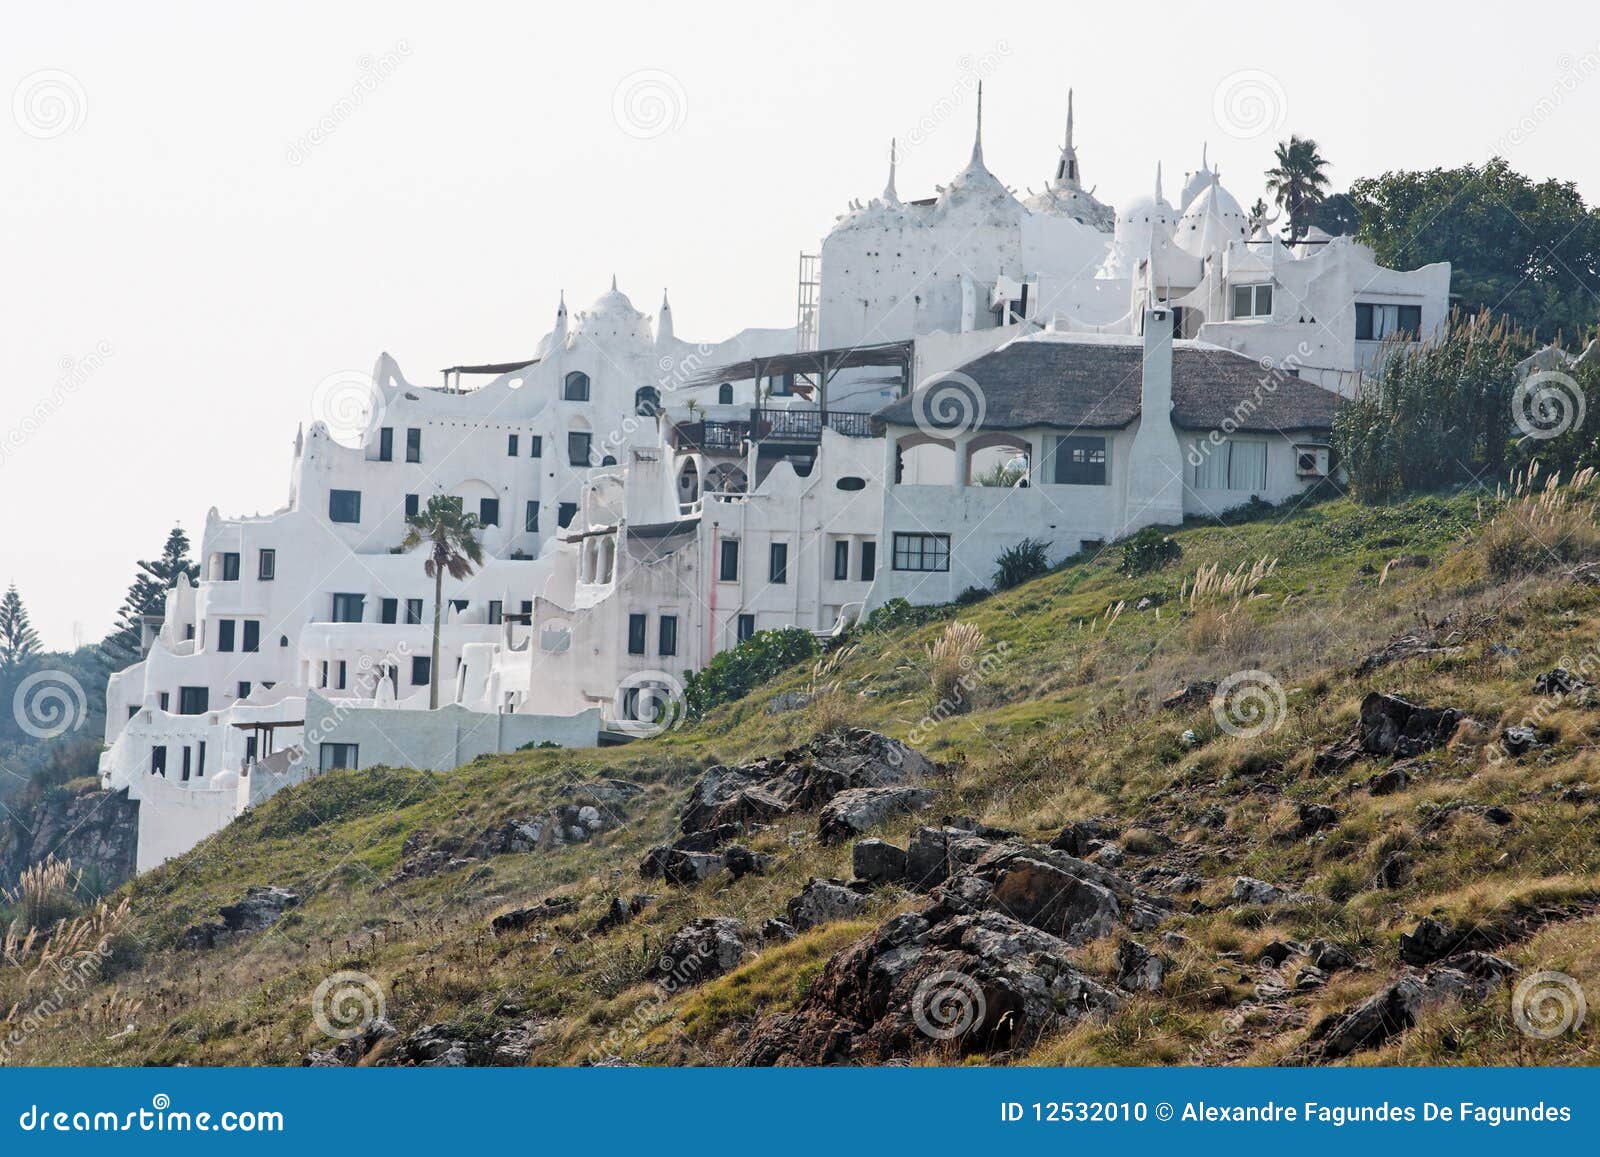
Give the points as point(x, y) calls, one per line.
point(779, 425)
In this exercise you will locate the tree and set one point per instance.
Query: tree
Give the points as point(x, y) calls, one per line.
point(147, 595)
point(18, 640)
point(453, 547)
point(1337, 215)
point(1530, 252)
point(1296, 182)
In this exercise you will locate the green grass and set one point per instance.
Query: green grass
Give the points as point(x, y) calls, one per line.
point(1066, 723)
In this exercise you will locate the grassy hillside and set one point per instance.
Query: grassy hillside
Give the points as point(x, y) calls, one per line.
point(1064, 721)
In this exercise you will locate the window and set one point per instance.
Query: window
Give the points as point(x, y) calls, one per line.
point(413, 612)
point(244, 689)
point(348, 608)
point(851, 482)
point(164, 700)
point(579, 447)
point(489, 512)
point(511, 445)
point(158, 760)
point(725, 394)
point(1252, 301)
point(780, 385)
point(200, 759)
point(921, 552)
point(778, 562)
point(636, 631)
point(337, 756)
point(344, 506)
point(496, 612)
point(344, 676)
point(841, 559)
point(230, 567)
point(576, 387)
point(194, 700)
point(669, 635)
point(530, 518)
point(388, 610)
point(526, 607)
point(267, 565)
point(249, 750)
point(323, 682)
point(252, 636)
point(728, 564)
point(1230, 465)
point(1380, 322)
point(386, 444)
point(188, 763)
point(1079, 461)
point(535, 445)
point(609, 460)
point(414, 445)
point(421, 670)
point(647, 401)
point(225, 629)
point(869, 561)
point(413, 505)
point(565, 513)
point(747, 627)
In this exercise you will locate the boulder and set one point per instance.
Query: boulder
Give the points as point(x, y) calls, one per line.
point(1139, 969)
point(1558, 681)
point(519, 918)
point(1430, 940)
point(935, 852)
point(878, 861)
point(1389, 781)
point(1393, 726)
point(859, 809)
point(1517, 740)
point(1190, 696)
point(700, 950)
point(1367, 1025)
point(1081, 837)
point(1330, 957)
point(1249, 890)
point(261, 907)
point(1313, 817)
point(823, 902)
point(1395, 871)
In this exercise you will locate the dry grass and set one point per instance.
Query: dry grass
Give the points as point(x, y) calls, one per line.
point(950, 661)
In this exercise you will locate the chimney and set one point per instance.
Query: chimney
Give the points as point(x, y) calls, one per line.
point(1155, 461)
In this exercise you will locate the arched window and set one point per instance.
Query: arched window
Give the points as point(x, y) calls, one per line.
point(608, 460)
point(647, 401)
point(725, 394)
point(576, 388)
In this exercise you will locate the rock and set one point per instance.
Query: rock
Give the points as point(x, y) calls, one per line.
point(1330, 957)
point(1139, 969)
point(519, 918)
point(700, 950)
point(776, 931)
point(620, 913)
point(1558, 681)
point(1499, 816)
point(878, 861)
point(1517, 740)
point(788, 701)
point(740, 862)
point(1053, 900)
point(1084, 836)
point(1190, 696)
point(1189, 738)
point(1275, 953)
point(800, 780)
point(347, 1053)
point(859, 809)
point(1394, 871)
point(1393, 726)
point(1313, 818)
point(1389, 781)
point(262, 907)
point(1428, 941)
point(1249, 890)
point(1387, 1013)
point(1111, 855)
point(97, 830)
point(934, 852)
point(1309, 979)
point(823, 902)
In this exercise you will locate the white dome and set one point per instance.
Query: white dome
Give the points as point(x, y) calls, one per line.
point(1212, 220)
point(612, 316)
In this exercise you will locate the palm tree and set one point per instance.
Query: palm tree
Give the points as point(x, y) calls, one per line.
point(1297, 181)
point(452, 547)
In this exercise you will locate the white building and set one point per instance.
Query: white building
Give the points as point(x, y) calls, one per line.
point(647, 502)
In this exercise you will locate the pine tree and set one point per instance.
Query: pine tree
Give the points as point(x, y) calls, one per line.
point(147, 596)
point(18, 640)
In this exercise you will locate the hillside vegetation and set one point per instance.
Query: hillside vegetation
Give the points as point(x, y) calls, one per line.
point(1060, 719)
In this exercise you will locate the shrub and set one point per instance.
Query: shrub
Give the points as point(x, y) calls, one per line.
point(1148, 551)
point(45, 893)
point(950, 657)
point(897, 613)
point(734, 674)
point(1546, 524)
point(972, 595)
point(1017, 564)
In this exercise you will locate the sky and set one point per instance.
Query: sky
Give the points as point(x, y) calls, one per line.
point(207, 209)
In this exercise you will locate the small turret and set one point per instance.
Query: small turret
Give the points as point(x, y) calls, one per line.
point(664, 332)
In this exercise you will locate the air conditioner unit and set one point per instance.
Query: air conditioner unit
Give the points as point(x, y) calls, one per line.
point(1311, 461)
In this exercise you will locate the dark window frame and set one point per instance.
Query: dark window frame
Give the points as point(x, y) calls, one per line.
point(344, 506)
point(1080, 460)
point(778, 563)
point(267, 564)
point(413, 444)
point(920, 552)
point(666, 635)
point(638, 633)
point(728, 561)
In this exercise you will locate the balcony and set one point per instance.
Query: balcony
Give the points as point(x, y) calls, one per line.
point(769, 424)
point(711, 437)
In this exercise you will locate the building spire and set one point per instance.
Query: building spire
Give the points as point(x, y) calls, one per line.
point(613, 283)
point(1069, 121)
point(890, 196)
point(664, 321)
point(1158, 181)
point(1067, 166)
point(977, 136)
